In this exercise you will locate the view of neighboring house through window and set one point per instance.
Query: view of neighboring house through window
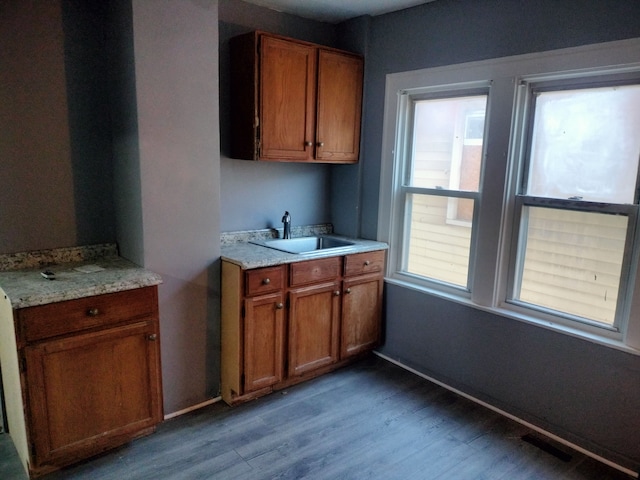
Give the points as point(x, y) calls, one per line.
point(441, 186)
point(578, 204)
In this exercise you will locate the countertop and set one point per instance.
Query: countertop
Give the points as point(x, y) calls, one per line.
point(79, 272)
point(248, 255)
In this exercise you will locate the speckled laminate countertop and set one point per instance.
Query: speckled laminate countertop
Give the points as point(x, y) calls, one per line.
point(79, 272)
point(249, 255)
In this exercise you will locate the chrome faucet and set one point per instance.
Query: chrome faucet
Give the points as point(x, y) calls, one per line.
point(286, 220)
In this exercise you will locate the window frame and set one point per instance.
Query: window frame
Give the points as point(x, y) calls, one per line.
point(403, 145)
point(495, 218)
point(524, 108)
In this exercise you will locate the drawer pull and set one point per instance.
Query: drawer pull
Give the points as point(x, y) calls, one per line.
point(93, 312)
point(279, 306)
point(266, 281)
point(367, 263)
point(152, 337)
point(347, 291)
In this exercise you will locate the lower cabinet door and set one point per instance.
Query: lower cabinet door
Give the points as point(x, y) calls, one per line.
point(361, 314)
point(314, 317)
point(90, 392)
point(263, 341)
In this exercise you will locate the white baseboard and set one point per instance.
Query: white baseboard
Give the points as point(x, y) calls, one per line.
point(513, 417)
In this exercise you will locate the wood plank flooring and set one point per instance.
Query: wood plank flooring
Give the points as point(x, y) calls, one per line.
point(372, 420)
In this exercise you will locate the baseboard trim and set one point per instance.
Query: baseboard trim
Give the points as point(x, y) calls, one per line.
point(512, 417)
point(192, 408)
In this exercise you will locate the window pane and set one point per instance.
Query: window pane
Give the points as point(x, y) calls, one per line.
point(572, 261)
point(585, 144)
point(447, 143)
point(438, 247)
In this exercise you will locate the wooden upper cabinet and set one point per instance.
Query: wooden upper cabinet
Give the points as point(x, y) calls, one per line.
point(287, 100)
point(339, 107)
point(294, 101)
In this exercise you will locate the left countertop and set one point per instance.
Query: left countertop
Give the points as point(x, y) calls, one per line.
point(79, 272)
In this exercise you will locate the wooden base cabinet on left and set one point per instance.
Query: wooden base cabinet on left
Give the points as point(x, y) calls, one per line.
point(90, 375)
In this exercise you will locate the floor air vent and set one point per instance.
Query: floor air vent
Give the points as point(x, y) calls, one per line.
point(544, 445)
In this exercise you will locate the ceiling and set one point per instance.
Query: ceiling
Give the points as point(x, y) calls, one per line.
point(335, 11)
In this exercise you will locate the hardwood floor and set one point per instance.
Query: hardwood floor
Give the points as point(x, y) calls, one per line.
point(372, 420)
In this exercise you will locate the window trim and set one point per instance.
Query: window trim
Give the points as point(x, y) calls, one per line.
point(497, 204)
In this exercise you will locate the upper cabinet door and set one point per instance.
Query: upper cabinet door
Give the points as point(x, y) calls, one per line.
point(287, 99)
point(339, 107)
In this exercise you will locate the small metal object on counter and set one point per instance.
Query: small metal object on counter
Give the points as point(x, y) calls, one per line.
point(286, 220)
point(48, 274)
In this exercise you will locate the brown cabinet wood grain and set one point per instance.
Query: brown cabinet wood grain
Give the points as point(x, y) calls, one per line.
point(294, 101)
point(89, 385)
point(263, 341)
point(314, 316)
point(339, 107)
point(323, 313)
point(361, 314)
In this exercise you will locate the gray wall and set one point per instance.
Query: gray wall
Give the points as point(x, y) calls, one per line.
point(584, 392)
point(55, 141)
point(171, 177)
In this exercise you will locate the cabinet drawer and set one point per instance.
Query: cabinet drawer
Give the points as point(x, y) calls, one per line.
point(265, 280)
point(315, 271)
point(367, 262)
point(44, 321)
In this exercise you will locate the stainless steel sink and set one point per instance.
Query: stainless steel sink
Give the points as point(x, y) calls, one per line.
point(306, 245)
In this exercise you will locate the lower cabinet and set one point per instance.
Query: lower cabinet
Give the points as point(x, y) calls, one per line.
point(263, 341)
point(285, 324)
point(91, 375)
point(361, 314)
point(314, 316)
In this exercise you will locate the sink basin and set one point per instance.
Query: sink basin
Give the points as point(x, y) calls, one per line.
point(306, 245)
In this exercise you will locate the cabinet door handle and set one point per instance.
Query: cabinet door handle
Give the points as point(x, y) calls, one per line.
point(266, 281)
point(279, 306)
point(308, 144)
point(367, 263)
point(336, 293)
point(320, 144)
point(93, 312)
point(152, 337)
point(347, 291)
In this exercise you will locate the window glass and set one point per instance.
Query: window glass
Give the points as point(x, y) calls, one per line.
point(447, 143)
point(438, 248)
point(572, 261)
point(585, 144)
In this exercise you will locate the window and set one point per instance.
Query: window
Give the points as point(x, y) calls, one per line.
point(511, 185)
point(442, 161)
point(578, 201)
